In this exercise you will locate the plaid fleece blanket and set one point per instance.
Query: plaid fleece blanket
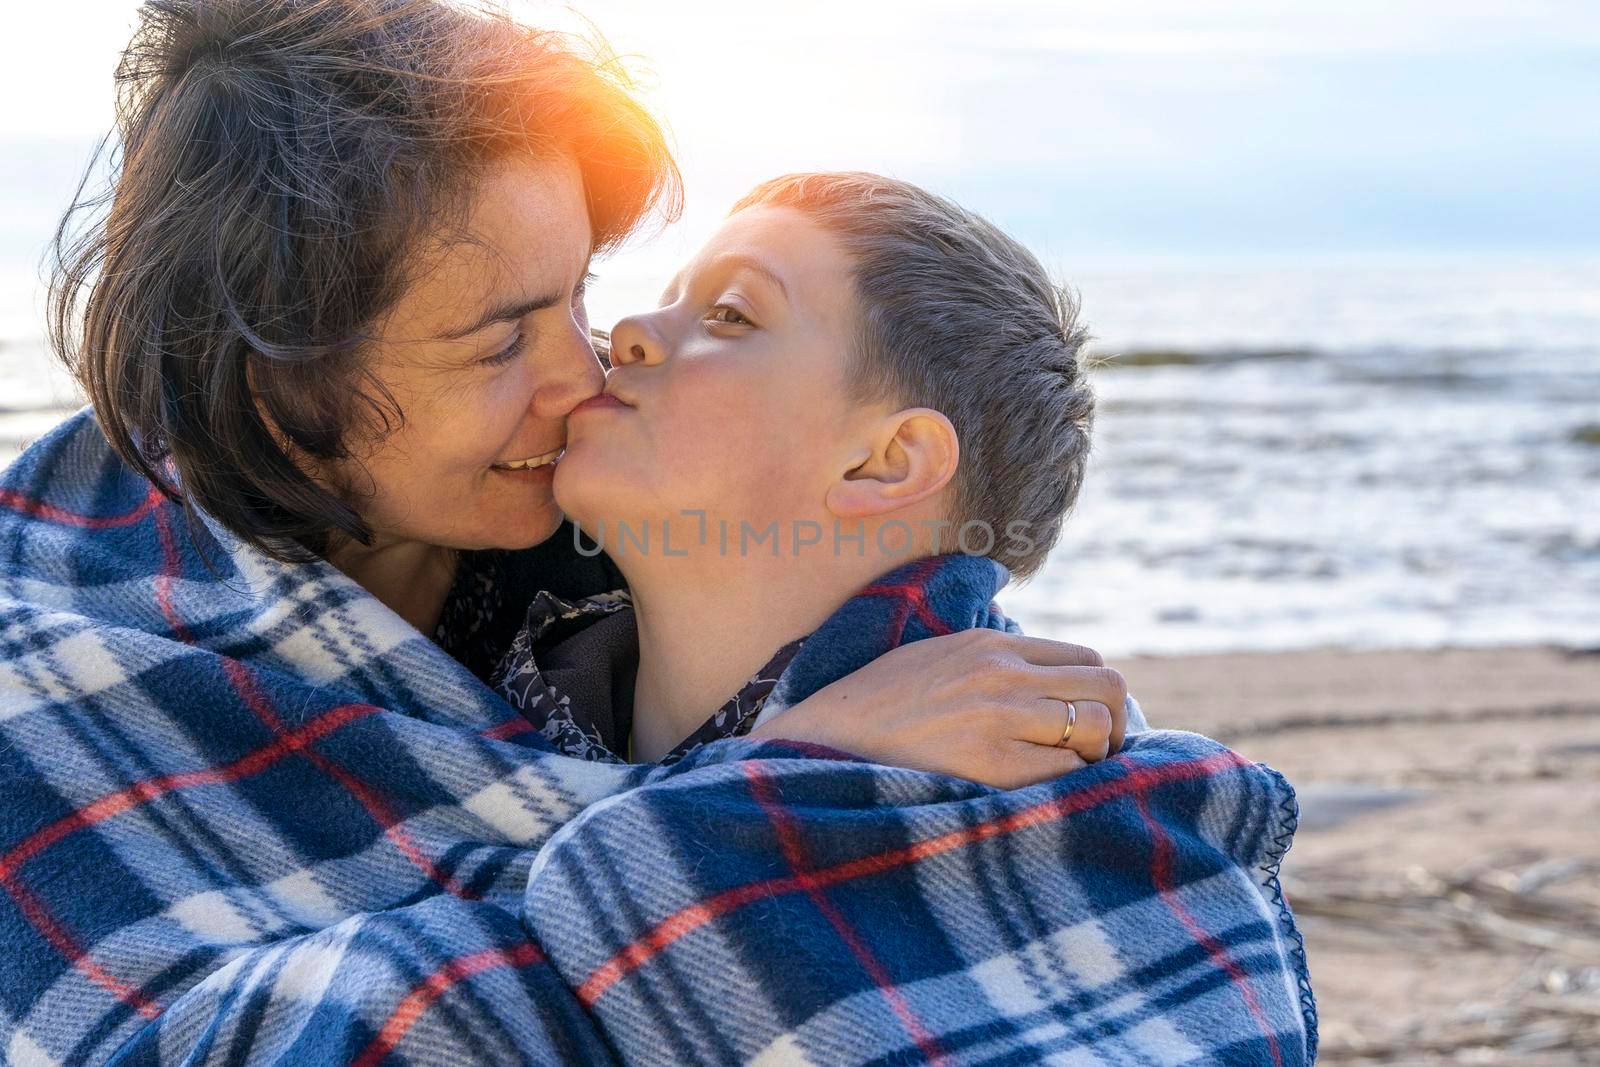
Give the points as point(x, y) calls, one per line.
point(247, 815)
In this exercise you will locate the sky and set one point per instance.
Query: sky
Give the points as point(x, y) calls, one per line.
point(1100, 129)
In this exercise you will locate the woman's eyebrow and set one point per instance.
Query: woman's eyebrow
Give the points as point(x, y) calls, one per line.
point(506, 312)
point(513, 309)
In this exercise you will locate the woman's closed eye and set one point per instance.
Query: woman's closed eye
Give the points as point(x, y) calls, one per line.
point(518, 345)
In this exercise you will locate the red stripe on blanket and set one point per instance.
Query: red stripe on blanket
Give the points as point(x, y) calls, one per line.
point(244, 684)
point(430, 989)
point(380, 812)
point(34, 910)
point(794, 854)
point(1161, 874)
point(39, 509)
point(510, 728)
point(691, 918)
point(171, 569)
point(911, 595)
point(123, 800)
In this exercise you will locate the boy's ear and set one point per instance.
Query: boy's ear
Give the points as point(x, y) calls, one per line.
point(912, 456)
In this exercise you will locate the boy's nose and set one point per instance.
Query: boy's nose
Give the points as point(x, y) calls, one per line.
point(637, 339)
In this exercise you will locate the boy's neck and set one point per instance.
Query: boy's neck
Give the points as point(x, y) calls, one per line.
point(707, 624)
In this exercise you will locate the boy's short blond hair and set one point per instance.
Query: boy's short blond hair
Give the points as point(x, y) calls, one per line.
point(957, 316)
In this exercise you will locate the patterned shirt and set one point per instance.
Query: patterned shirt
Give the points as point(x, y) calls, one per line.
point(487, 602)
point(571, 669)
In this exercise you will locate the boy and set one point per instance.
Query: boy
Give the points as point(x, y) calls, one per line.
point(856, 410)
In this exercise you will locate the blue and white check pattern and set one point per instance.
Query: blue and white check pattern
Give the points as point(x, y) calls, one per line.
point(251, 816)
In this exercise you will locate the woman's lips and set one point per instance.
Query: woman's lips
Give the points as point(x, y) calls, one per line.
point(544, 461)
point(597, 402)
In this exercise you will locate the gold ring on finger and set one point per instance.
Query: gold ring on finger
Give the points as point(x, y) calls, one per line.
point(1072, 720)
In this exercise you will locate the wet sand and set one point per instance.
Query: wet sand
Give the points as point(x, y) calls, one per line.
point(1447, 869)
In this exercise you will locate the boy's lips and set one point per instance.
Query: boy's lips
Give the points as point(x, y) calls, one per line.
point(598, 402)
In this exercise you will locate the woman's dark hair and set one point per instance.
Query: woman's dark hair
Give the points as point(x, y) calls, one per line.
point(274, 164)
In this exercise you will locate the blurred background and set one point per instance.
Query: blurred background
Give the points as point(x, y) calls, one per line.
point(1342, 264)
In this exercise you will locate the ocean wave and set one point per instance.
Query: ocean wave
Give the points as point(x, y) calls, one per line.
point(1140, 358)
point(1586, 434)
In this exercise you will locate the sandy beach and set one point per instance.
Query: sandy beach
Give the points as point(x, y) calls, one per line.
point(1447, 869)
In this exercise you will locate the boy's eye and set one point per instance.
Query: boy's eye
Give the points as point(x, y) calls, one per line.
point(729, 315)
point(583, 288)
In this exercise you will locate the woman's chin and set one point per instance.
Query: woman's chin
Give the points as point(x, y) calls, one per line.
point(528, 528)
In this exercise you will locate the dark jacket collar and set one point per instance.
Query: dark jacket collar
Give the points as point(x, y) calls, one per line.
point(571, 670)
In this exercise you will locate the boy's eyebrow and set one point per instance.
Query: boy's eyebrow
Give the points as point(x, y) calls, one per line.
point(729, 263)
point(740, 261)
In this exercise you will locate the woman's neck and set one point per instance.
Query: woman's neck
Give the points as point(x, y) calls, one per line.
point(410, 578)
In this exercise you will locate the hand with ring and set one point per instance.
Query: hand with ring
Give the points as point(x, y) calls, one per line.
point(1003, 709)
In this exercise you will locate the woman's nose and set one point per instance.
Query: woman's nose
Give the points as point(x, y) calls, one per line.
point(569, 378)
point(637, 339)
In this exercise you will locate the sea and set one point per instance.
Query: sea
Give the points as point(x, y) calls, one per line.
point(1373, 451)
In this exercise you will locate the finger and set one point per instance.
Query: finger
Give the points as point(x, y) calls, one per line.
point(1045, 722)
point(1119, 727)
point(1043, 652)
point(1103, 684)
point(1029, 764)
point(1094, 743)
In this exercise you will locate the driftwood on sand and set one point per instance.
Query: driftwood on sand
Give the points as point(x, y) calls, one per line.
point(1543, 909)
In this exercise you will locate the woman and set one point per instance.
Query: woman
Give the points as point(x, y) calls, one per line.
point(252, 812)
point(292, 307)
